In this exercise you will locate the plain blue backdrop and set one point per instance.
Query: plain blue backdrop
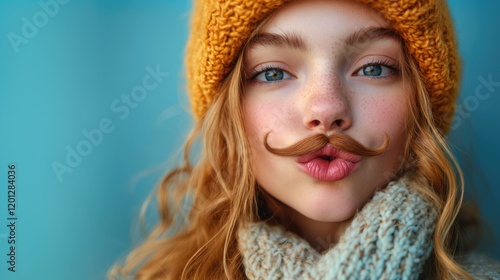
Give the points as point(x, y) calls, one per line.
point(87, 157)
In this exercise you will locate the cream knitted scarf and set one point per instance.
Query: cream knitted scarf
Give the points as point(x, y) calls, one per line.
point(390, 238)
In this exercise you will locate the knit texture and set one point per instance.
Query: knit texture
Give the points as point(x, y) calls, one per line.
point(390, 238)
point(219, 28)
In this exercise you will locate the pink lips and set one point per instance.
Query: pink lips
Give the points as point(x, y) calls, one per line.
point(328, 164)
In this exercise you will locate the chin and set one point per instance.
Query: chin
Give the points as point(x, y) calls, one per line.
point(330, 214)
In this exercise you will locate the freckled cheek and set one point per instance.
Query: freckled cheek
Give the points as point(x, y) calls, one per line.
point(386, 112)
point(387, 115)
point(261, 118)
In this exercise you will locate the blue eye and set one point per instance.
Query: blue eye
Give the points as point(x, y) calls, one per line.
point(372, 70)
point(375, 70)
point(272, 75)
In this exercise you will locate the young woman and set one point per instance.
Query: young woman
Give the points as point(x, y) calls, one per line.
point(324, 156)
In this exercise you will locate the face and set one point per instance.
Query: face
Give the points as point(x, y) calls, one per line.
point(324, 67)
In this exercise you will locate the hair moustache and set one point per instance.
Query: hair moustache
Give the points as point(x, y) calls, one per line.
point(315, 142)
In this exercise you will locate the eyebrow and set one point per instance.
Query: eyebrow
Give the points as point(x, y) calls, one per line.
point(292, 41)
point(370, 34)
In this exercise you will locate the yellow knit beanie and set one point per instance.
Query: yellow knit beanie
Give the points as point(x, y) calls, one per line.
point(220, 28)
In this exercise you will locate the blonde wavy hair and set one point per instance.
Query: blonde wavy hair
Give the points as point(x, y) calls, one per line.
point(222, 193)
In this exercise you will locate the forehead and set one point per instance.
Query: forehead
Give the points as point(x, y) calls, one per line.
point(323, 19)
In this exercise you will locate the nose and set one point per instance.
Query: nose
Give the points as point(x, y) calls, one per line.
point(327, 106)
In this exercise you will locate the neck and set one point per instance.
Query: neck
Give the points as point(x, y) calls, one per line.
point(320, 235)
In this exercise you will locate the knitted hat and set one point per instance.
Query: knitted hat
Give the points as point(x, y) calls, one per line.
point(220, 28)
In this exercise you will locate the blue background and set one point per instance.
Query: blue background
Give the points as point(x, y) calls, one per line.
point(84, 57)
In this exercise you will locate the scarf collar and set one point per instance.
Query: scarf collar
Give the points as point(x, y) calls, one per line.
point(390, 238)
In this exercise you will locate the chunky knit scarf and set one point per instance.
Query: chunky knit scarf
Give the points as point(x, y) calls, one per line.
point(390, 238)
